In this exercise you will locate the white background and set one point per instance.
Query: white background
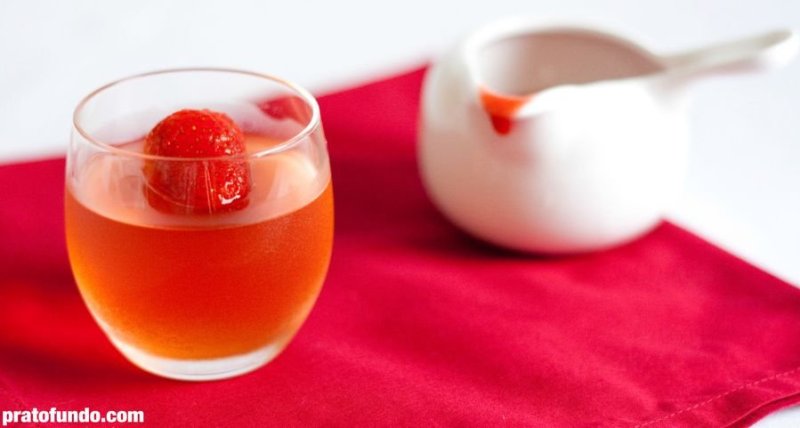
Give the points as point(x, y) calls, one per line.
point(743, 190)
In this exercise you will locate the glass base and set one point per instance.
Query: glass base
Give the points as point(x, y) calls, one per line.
point(199, 370)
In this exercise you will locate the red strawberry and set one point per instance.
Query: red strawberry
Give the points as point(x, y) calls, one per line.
point(196, 186)
point(287, 107)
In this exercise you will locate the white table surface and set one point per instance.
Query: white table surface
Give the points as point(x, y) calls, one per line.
point(743, 191)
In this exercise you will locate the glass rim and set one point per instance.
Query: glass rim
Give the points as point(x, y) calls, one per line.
point(286, 144)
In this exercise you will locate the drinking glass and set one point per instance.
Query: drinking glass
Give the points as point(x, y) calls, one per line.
point(210, 294)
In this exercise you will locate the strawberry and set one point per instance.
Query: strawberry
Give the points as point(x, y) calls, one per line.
point(287, 107)
point(194, 185)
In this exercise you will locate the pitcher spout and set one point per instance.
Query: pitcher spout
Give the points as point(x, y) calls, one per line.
point(503, 110)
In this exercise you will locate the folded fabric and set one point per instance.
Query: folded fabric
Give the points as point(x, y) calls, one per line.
point(420, 325)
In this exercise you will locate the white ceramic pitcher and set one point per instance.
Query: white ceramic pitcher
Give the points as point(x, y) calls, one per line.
point(565, 139)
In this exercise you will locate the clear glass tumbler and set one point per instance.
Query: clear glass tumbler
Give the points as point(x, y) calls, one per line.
point(199, 294)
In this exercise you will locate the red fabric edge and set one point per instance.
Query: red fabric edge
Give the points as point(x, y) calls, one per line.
point(740, 406)
point(761, 412)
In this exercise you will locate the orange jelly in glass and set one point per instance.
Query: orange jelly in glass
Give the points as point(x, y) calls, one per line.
point(201, 295)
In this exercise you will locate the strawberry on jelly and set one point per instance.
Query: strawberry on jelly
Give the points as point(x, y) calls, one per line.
point(187, 183)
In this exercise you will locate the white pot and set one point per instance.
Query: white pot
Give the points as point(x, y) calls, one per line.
point(564, 139)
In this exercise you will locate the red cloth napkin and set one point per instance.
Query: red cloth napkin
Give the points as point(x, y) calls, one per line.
point(420, 325)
